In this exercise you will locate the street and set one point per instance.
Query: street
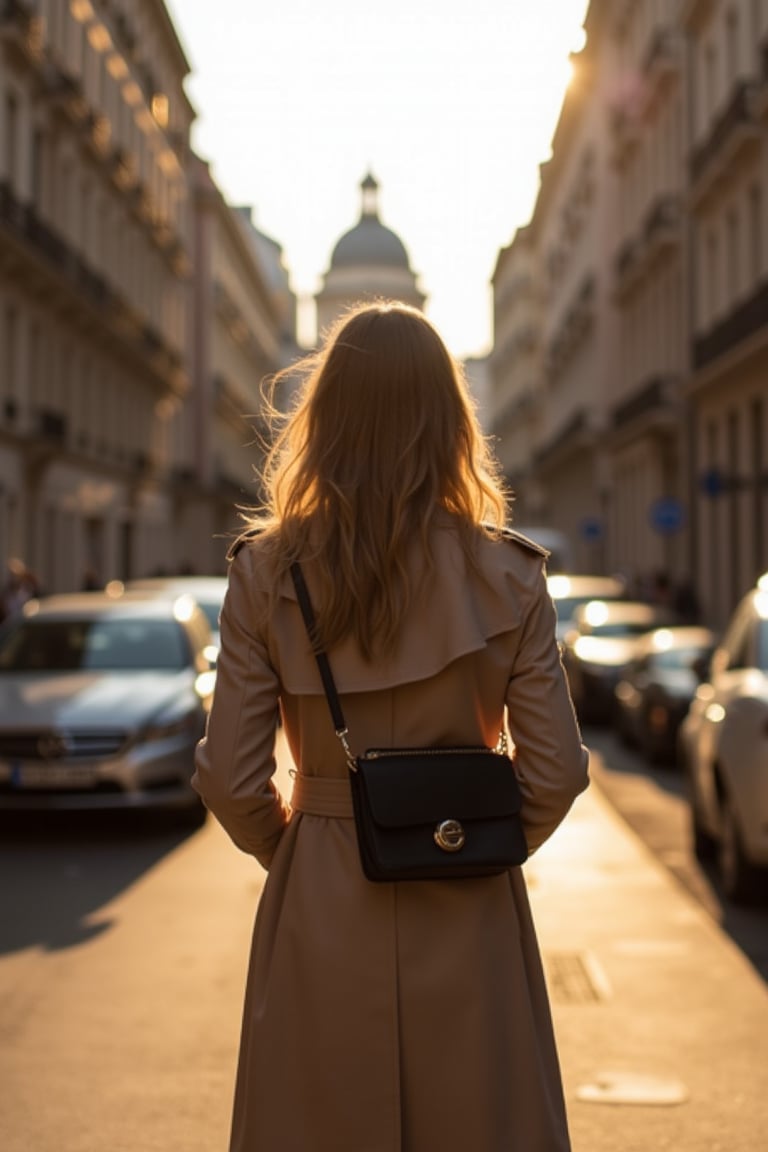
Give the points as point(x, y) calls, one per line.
point(123, 951)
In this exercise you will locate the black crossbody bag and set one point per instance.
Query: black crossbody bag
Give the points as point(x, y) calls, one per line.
point(426, 813)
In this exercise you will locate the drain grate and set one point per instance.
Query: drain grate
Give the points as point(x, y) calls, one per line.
point(575, 978)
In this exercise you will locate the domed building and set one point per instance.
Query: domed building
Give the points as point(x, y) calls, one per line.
point(369, 262)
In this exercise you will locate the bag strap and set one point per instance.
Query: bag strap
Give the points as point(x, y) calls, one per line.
point(329, 684)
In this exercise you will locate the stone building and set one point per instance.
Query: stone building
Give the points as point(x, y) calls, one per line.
point(94, 267)
point(368, 262)
point(119, 413)
point(630, 362)
point(727, 382)
point(241, 316)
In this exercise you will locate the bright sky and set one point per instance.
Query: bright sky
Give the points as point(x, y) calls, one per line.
point(450, 104)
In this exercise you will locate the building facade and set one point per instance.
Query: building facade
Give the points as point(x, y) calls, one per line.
point(727, 385)
point(632, 413)
point(111, 460)
point(94, 263)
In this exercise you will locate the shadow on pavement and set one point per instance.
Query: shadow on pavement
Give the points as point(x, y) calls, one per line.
point(58, 869)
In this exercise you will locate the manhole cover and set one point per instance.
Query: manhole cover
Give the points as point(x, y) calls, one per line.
point(628, 1088)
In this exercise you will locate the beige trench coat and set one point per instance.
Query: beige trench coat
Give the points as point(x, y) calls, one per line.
point(396, 1017)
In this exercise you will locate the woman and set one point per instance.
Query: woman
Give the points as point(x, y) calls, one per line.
point(405, 1016)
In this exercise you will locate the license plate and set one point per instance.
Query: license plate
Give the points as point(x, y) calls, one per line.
point(25, 774)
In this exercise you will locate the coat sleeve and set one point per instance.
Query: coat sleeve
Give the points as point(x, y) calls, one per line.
point(550, 759)
point(235, 761)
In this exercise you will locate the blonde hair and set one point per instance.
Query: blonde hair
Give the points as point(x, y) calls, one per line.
point(382, 436)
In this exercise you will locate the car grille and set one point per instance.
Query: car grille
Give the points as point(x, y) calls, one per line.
point(60, 745)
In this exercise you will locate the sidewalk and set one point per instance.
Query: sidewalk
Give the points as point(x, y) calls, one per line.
point(662, 1024)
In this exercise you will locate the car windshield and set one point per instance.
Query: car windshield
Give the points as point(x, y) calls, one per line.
point(620, 628)
point(676, 658)
point(762, 646)
point(115, 644)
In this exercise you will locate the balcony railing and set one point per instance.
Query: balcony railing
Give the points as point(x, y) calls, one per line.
point(573, 436)
point(738, 116)
point(654, 397)
point(661, 56)
point(22, 27)
point(51, 426)
point(744, 321)
point(663, 218)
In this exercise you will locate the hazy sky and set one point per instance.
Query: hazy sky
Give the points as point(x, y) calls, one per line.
point(450, 105)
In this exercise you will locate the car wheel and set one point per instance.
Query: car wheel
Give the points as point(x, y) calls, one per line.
point(739, 877)
point(704, 845)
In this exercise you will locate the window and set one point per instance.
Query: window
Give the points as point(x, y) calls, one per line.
point(712, 278)
point(732, 45)
point(733, 255)
point(11, 138)
point(710, 82)
point(9, 352)
point(756, 232)
point(38, 145)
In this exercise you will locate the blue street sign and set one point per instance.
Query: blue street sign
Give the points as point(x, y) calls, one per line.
point(591, 528)
point(712, 481)
point(667, 515)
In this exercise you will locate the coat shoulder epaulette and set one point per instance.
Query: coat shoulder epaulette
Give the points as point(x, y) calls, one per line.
point(525, 542)
point(242, 539)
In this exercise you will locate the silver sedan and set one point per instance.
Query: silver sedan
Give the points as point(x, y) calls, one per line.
point(102, 701)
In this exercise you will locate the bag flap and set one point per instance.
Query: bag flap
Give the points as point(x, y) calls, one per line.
point(421, 788)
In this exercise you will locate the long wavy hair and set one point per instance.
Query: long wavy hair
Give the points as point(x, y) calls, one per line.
point(383, 435)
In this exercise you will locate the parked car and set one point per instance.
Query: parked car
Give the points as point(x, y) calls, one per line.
point(569, 592)
point(102, 701)
point(724, 748)
point(600, 645)
point(657, 686)
point(208, 591)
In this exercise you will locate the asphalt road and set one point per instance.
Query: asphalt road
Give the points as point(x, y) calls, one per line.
point(123, 952)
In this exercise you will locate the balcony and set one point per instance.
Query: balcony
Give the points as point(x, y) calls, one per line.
point(51, 426)
point(12, 212)
point(762, 102)
point(734, 130)
point(625, 263)
point(572, 329)
point(662, 60)
point(98, 135)
point(123, 169)
point(575, 436)
point(663, 225)
point(742, 323)
point(626, 132)
point(652, 404)
point(65, 93)
point(21, 29)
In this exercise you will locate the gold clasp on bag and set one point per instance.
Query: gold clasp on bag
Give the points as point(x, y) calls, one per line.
point(449, 835)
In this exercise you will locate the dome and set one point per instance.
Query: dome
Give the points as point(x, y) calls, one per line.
point(370, 243)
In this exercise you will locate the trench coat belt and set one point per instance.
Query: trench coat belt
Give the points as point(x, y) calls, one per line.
point(322, 796)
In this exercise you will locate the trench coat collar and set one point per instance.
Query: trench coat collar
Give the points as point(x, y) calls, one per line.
point(456, 611)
